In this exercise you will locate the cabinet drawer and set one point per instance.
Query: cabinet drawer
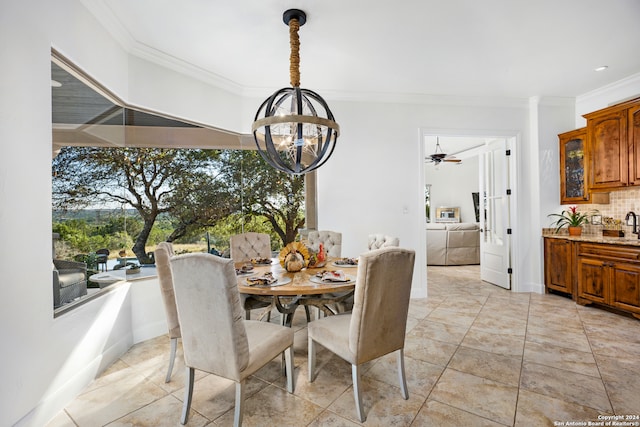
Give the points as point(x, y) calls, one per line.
point(612, 252)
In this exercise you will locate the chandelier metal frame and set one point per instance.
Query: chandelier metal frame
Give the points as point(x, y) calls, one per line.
point(289, 130)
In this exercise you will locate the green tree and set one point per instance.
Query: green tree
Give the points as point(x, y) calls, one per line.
point(146, 179)
point(266, 192)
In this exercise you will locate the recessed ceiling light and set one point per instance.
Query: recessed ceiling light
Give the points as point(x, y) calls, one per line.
point(601, 68)
point(55, 83)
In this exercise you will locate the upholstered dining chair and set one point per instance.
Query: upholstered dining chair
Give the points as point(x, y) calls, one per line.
point(379, 240)
point(244, 247)
point(215, 337)
point(378, 322)
point(331, 241)
point(163, 252)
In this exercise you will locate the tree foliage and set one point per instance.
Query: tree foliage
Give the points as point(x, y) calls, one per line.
point(195, 189)
point(145, 179)
point(266, 192)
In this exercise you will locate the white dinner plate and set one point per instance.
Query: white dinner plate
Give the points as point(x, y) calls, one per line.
point(343, 265)
point(281, 281)
point(316, 279)
point(246, 274)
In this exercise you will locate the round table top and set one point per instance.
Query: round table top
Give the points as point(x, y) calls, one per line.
point(300, 283)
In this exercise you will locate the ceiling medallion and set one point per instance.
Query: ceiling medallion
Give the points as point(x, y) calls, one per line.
point(294, 129)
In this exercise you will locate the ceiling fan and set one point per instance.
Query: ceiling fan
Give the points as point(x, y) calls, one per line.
point(439, 155)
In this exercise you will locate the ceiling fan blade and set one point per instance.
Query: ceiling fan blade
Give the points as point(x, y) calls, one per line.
point(452, 160)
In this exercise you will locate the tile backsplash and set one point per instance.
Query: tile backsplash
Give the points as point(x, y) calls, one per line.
point(620, 202)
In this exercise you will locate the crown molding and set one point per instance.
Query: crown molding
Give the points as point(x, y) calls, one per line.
point(104, 14)
point(627, 85)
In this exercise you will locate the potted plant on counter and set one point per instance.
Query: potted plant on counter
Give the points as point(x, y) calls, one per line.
point(572, 219)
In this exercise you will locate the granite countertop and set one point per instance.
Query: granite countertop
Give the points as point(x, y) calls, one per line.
point(629, 239)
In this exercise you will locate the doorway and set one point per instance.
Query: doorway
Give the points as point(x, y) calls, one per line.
point(495, 184)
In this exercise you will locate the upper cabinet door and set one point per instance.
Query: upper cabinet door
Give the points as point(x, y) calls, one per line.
point(633, 121)
point(608, 149)
point(574, 167)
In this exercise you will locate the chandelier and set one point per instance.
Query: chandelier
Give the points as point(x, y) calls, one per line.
point(294, 129)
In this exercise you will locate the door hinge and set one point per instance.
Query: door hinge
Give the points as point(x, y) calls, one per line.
point(508, 191)
point(509, 270)
point(508, 153)
point(508, 231)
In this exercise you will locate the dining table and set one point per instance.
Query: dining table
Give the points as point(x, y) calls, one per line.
point(300, 288)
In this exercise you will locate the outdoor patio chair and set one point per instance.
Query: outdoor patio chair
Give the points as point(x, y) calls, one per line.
point(69, 281)
point(102, 255)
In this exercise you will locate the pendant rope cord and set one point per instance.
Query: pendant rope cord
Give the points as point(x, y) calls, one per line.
point(294, 129)
point(294, 58)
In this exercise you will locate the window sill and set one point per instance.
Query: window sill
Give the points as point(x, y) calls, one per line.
point(146, 273)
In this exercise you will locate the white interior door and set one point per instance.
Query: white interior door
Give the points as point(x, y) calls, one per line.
point(495, 239)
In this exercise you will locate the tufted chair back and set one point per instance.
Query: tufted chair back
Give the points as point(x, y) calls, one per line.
point(331, 240)
point(249, 245)
point(379, 241)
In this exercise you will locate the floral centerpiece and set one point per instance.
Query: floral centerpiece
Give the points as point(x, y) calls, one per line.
point(572, 219)
point(294, 257)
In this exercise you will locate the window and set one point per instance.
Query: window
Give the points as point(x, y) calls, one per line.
point(89, 122)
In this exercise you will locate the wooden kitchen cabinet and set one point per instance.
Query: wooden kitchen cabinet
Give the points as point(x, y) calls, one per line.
point(613, 146)
point(625, 292)
point(593, 280)
point(558, 265)
point(574, 167)
point(608, 149)
point(633, 132)
point(610, 275)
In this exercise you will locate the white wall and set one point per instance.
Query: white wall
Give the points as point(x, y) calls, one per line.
point(452, 185)
point(372, 183)
point(45, 362)
point(374, 177)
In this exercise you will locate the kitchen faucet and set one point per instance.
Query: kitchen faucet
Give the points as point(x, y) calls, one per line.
point(635, 222)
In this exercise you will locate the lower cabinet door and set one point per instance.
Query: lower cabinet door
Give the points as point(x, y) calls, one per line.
point(557, 265)
point(593, 280)
point(625, 289)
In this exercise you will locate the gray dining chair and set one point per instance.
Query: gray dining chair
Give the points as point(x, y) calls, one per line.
point(378, 322)
point(215, 336)
point(331, 241)
point(243, 248)
point(379, 241)
point(164, 250)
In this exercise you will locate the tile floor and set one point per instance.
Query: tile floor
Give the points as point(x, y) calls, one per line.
point(476, 355)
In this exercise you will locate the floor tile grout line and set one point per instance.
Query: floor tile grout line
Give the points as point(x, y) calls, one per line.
point(604, 385)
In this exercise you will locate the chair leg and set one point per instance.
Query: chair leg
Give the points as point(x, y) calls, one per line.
point(188, 393)
point(355, 375)
point(312, 359)
point(247, 314)
point(306, 310)
point(288, 356)
point(401, 374)
point(172, 358)
point(239, 410)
